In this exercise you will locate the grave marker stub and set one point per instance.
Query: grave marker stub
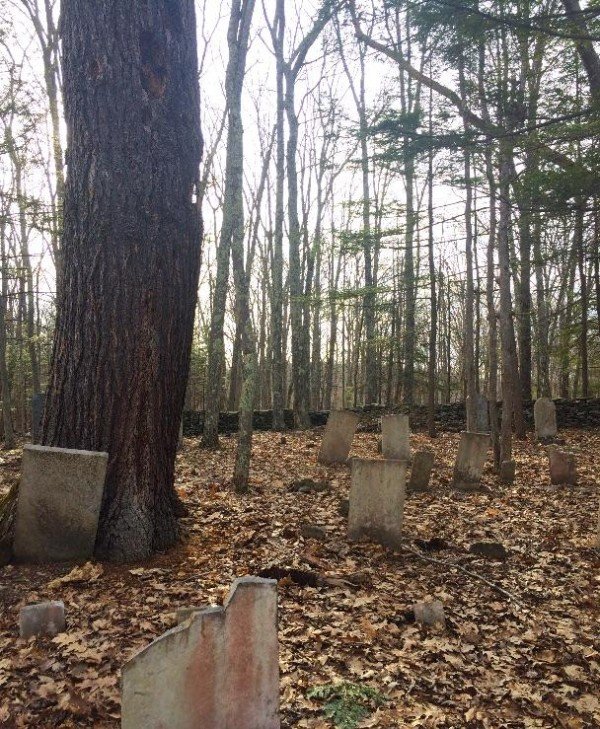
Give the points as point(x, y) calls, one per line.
point(395, 437)
point(217, 670)
point(377, 500)
point(338, 436)
point(60, 495)
point(420, 473)
point(470, 459)
point(544, 413)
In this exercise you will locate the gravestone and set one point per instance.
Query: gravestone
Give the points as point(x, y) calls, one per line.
point(44, 618)
point(377, 501)
point(420, 474)
point(395, 437)
point(507, 471)
point(471, 457)
point(217, 670)
point(481, 418)
point(38, 402)
point(59, 504)
point(544, 413)
point(563, 467)
point(338, 436)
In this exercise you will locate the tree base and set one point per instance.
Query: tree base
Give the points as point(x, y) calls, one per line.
point(8, 509)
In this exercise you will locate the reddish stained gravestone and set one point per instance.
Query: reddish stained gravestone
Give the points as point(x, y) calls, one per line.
point(563, 467)
point(217, 670)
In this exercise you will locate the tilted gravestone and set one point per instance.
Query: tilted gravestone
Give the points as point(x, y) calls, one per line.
point(563, 467)
point(377, 501)
point(420, 473)
point(217, 670)
point(395, 437)
point(478, 409)
point(38, 402)
point(60, 495)
point(544, 413)
point(338, 436)
point(471, 457)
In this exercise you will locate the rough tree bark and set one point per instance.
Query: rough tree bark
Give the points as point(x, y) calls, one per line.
point(131, 246)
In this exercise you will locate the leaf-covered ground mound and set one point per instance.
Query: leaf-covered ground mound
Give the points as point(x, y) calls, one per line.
point(521, 646)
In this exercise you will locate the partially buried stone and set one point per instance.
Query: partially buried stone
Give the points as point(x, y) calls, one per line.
point(491, 550)
point(313, 531)
point(308, 485)
point(430, 612)
point(44, 618)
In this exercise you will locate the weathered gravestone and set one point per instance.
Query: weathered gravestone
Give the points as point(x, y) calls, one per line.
point(420, 473)
point(338, 436)
point(478, 408)
point(217, 670)
point(563, 467)
point(377, 501)
point(38, 402)
point(544, 414)
point(44, 618)
point(471, 457)
point(508, 470)
point(60, 495)
point(395, 437)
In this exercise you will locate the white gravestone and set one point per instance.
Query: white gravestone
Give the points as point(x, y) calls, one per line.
point(338, 436)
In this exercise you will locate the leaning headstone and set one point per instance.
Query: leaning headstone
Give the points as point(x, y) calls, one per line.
point(60, 495)
point(377, 501)
point(338, 436)
point(480, 414)
point(44, 618)
point(217, 670)
point(38, 402)
point(471, 457)
point(544, 413)
point(420, 473)
point(563, 467)
point(395, 437)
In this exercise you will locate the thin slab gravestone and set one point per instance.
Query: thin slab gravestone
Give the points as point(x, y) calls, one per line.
point(563, 467)
point(420, 473)
point(480, 414)
point(338, 436)
point(58, 507)
point(217, 670)
point(470, 460)
point(544, 413)
point(395, 437)
point(38, 403)
point(377, 501)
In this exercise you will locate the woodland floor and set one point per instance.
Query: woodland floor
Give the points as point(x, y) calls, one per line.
point(532, 660)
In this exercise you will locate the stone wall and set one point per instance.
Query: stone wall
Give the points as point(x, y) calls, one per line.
point(451, 417)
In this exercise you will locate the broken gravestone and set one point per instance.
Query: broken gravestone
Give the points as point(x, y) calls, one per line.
point(217, 670)
point(477, 407)
point(471, 457)
point(38, 403)
point(377, 501)
point(58, 507)
point(544, 413)
point(420, 473)
point(338, 436)
point(395, 437)
point(44, 618)
point(563, 467)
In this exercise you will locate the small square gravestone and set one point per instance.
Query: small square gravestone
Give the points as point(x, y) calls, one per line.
point(58, 507)
point(563, 467)
point(377, 501)
point(338, 436)
point(477, 407)
point(470, 460)
point(420, 473)
point(219, 669)
point(544, 413)
point(38, 403)
point(395, 437)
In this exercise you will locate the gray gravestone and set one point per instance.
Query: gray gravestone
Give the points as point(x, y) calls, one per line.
point(563, 467)
point(38, 403)
point(471, 457)
point(420, 473)
point(480, 413)
point(395, 437)
point(217, 670)
point(59, 504)
point(377, 501)
point(507, 471)
point(544, 413)
point(44, 618)
point(338, 436)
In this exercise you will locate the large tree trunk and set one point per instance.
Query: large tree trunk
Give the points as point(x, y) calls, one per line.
point(131, 257)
